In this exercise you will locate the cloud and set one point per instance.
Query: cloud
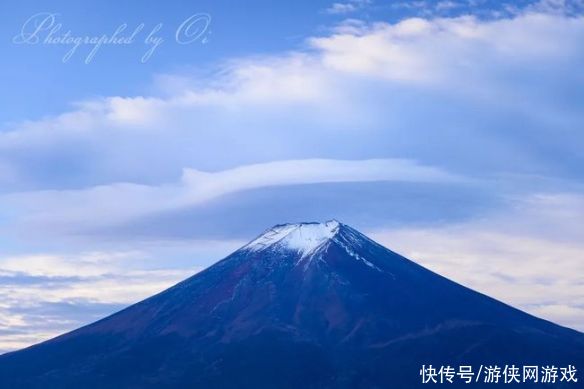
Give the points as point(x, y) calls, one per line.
point(447, 5)
point(430, 90)
point(348, 7)
point(451, 50)
point(341, 8)
point(511, 255)
point(363, 90)
point(44, 295)
point(102, 206)
point(559, 7)
point(28, 317)
point(313, 171)
point(488, 9)
point(51, 265)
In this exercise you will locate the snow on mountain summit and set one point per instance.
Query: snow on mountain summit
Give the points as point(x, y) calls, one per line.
point(304, 238)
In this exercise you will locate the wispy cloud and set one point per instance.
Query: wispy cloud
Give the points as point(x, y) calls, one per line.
point(348, 7)
point(44, 295)
point(101, 206)
point(511, 255)
point(358, 84)
point(558, 7)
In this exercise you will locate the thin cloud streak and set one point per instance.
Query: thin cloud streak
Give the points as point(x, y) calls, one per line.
point(117, 203)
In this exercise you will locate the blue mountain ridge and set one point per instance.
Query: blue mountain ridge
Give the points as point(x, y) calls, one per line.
point(307, 305)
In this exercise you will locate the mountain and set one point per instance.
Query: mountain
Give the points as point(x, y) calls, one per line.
point(309, 305)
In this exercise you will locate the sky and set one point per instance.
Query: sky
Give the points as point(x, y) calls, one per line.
point(449, 131)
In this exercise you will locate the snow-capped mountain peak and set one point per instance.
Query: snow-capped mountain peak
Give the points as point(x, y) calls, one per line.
point(356, 314)
point(304, 238)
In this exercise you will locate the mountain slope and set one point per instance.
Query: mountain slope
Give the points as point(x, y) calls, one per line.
point(304, 305)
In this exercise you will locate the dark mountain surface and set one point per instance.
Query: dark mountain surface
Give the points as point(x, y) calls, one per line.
point(310, 305)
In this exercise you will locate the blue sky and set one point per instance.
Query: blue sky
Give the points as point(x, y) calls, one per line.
point(450, 131)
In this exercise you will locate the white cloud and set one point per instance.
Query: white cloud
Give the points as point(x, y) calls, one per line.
point(127, 287)
point(43, 295)
point(312, 171)
point(341, 8)
point(347, 7)
point(40, 293)
point(19, 341)
point(569, 315)
point(24, 321)
point(560, 7)
point(76, 210)
point(510, 255)
point(89, 264)
point(447, 5)
point(353, 85)
point(457, 50)
point(451, 50)
point(137, 111)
